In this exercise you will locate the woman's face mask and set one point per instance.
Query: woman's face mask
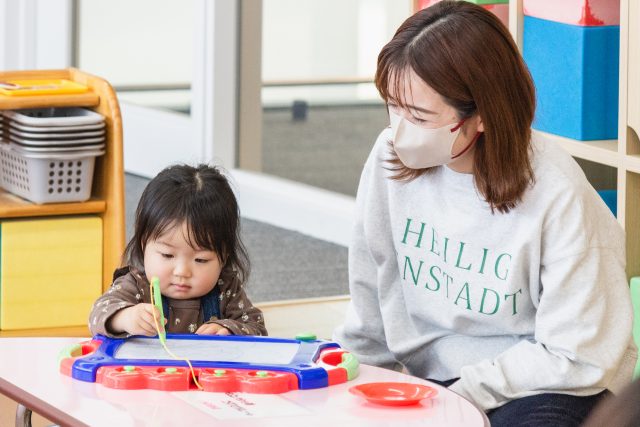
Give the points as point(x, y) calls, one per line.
point(419, 148)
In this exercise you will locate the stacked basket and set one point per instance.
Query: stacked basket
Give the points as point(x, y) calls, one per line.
point(48, 154)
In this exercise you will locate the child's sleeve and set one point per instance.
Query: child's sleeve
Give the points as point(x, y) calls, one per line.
point(238, 314)
point(124, 292)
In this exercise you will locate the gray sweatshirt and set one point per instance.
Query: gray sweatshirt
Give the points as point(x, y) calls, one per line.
point(532, 301)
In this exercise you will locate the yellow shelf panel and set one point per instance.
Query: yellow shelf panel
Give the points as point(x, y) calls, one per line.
point(88, 99)
point(69, 331)
point(603, 152)
point(56, 294)
point(12, 206)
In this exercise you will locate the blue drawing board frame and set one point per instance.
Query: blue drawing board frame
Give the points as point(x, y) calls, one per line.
point(302, 364)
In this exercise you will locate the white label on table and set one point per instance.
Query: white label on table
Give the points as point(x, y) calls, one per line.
point(225, 406)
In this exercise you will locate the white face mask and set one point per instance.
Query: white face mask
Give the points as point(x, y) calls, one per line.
point(419, 148)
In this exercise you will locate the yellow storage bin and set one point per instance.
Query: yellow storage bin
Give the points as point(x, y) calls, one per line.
point(50, 271)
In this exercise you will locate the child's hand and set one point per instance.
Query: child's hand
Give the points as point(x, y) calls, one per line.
point(137, 320)
point(212, 329)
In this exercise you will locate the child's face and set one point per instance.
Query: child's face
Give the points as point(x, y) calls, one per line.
point(184, 272)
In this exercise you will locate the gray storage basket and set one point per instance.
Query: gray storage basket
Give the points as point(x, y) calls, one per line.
point(48, 177)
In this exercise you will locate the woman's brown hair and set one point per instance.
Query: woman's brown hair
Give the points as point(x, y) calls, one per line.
point(467, 55)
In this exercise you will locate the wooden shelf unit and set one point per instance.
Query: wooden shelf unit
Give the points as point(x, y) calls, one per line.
point(623, 154)
point(107, 199)
point(12, 206)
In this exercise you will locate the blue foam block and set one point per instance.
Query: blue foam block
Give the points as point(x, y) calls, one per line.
point(575, 70)
point(610, 198)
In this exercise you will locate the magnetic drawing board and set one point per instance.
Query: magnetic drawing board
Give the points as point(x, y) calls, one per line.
point(302, 358)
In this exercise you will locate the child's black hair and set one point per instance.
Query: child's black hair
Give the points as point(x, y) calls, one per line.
point(201, 198)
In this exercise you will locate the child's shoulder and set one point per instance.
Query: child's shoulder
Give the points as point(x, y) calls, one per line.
point(121, 272)
point(228, 277)
point(128, 275)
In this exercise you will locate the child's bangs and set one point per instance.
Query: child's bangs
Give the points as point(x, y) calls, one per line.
point(160, 221)
point(200, 234)
point(160, 227)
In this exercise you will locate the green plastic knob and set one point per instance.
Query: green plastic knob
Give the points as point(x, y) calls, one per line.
point(128, 368)
point(305, 336)
point(170, 370)
point(219, 372)
point(262, 374)
point(350, 364)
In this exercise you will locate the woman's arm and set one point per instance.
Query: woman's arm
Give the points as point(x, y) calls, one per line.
point(363, 330)
point(582, 341)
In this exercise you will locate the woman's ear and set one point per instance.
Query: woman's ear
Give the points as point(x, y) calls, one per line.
point(480, 124)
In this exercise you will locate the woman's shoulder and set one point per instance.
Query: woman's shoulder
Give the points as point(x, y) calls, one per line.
point(382, 148)
point(556, 171)
point(562, 192)
point(376, 166)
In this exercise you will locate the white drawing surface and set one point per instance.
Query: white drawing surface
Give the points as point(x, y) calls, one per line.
point(251, 352)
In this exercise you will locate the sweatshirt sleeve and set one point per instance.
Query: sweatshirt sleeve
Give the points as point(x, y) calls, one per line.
point(363, 330)
point(123, 293)
point(239, 315)
point(582, 342)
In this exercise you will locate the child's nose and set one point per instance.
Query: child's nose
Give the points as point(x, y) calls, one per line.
point(182, 270)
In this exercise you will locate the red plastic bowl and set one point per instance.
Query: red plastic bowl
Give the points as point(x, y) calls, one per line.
point(393, 394)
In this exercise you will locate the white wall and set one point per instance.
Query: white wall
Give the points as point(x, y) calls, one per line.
point(137, 42)
point(329, 39)
point(302, 39)
point(305, 39)
point(309, 39)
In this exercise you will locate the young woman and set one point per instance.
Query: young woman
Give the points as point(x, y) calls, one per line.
point(479, 259)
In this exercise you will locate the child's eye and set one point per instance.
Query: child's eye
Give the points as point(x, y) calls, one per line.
point(165, 255)
point(418, 121)
point(201, 260)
